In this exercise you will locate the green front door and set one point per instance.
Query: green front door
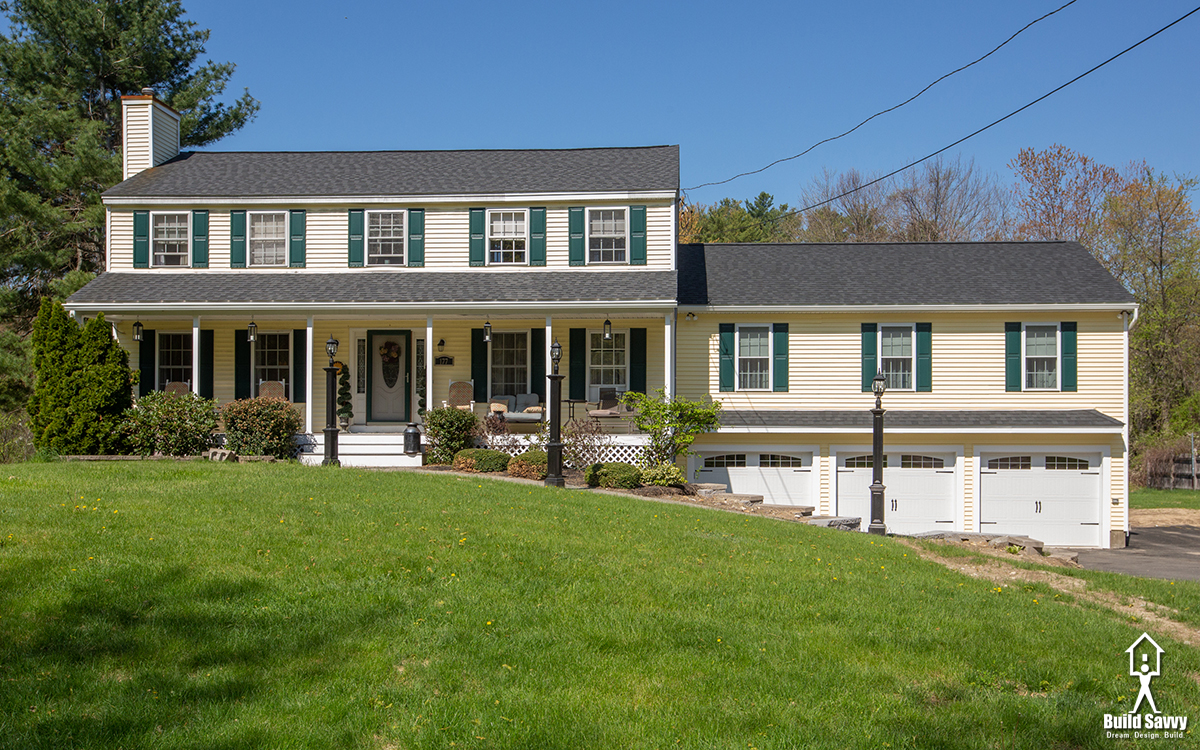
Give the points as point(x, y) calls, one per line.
point(389, 376)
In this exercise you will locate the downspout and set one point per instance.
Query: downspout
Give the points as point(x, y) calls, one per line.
point(1127, 324)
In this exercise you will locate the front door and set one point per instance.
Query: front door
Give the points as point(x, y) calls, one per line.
point(389, 373)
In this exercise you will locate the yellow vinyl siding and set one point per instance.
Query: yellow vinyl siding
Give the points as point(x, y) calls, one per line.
point(218, 238)
point(326, 239)
point(447, 239)
point(166, 135)
point(136, 145)
point(120, 240)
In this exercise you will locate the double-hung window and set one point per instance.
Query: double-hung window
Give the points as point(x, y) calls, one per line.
point(754, 358)
point(507, 235)
point(385, 238)
point(1041, 356)
point(272, 362)
point(896, 356)
point(268, 238)
point(510, 364)
point(174, 359)
point(607, 235)
point(169, 237)
point(608, 363)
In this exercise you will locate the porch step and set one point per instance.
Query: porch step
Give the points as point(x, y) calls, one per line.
point(365, 449)
point(709, 488)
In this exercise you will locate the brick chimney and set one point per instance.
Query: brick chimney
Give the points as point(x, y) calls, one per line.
point(149, 132)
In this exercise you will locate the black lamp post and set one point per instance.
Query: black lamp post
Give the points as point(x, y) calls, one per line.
point(878, 386)
point(331, 428)
point(554, 477)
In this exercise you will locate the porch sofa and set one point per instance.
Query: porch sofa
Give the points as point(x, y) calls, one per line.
point(524, 407)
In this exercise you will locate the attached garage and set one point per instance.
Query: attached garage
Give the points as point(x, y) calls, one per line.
point(920, 494)
point(1054, 497)
point(782, 478)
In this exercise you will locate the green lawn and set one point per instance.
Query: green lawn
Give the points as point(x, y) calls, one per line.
point(165, 605)
point(1147, 498)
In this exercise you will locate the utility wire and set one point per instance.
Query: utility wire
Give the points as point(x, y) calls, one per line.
point(985, 127)
point(889, 109)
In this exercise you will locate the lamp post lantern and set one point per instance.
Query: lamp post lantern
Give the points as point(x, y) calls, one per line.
point(331, 428)
point(878, 386)
point(554, 477)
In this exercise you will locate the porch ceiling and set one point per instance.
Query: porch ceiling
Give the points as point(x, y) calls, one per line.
point(386, 288)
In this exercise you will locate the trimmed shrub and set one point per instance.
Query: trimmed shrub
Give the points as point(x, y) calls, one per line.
point(345, 400)
point(83, 384)
point(448, 431)
point(481, 460)
point(261, 427)
point(663, 475)
point(617, 475)
point(530, 465)
point(173, 424)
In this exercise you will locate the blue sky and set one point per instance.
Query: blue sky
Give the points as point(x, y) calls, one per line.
point(735, 85)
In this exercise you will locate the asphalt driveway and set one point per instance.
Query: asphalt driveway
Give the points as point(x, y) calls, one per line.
point(1171, 552)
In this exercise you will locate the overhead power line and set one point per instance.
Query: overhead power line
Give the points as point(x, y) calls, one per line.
point(912, 164)
point(889, 109)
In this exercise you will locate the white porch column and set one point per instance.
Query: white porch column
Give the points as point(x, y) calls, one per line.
point(308, 381)
point(196, 354)
point(549, 364)
point(669, 354)
point(429, 344)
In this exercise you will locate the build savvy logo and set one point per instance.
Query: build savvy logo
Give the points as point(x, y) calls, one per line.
point(1145, 663)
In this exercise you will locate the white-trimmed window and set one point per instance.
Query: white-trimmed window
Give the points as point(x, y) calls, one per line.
point(725, 461)
point(1066, 463)
point(507, 236)
point(608, 363)
point(864, 462)
point(174, 359)
point(913, 461)
point(1011, 462)
point(1040, 345)
point(780, 461)
point(896, 356)
point(169, 235)
point(510, 363)
point(608, 235)
point(268, 237)
point(272, 361)
point(385, 238)
point(754, 358)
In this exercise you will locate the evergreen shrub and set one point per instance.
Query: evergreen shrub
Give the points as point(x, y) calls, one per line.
point(173, 424)
point(261, 427)
point(530, 465)
point(616, 475)
point(663, 475)
point(482, 460)
point(448, 431)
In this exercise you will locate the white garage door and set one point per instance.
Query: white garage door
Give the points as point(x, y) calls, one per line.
point(781, 478)
point(919, 494)
point(1047, 496)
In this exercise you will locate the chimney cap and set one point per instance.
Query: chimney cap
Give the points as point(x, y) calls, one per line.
point(149, 91)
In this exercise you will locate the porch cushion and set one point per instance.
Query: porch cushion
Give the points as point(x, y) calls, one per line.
point(508, 401)
point(526, 400)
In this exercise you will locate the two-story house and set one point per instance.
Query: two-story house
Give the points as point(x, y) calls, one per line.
point(1006, 363)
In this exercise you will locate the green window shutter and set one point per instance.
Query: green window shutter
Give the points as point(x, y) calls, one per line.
point(870, 364)
point(575, 233)
point(146, 362)
point(537, 362)
point(416, 237)
point(577, 372)
point(141, 239)
point(299, 365)
point(200, 239)
point(479, 364)
point(241, 364)
point(779, 342)
point(924, 364)
point(478, 240)
point(354, 247)
point(206, 363)
point(637, 235)
point(725, 356)
point(1012, 356)
point(537, 236)
point(1070, 358)
point(296, 245)
point(237, 245)
point(637, 359)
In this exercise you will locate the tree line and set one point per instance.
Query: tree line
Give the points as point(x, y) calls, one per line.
point(1139, 223)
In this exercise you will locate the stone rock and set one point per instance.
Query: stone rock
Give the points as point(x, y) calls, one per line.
point(220, 454)
point(708, 488)
point(844, 523)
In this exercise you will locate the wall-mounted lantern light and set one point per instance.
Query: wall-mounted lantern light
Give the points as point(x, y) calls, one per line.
point(137, 330)
point(487, 331)
point(252, 332)
point(607, 329)
point(441, 345)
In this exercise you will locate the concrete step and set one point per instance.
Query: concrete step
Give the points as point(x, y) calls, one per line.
point(708, 488)
point(845, 523)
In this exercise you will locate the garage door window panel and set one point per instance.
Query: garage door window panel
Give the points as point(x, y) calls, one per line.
point(777, 461)
point(864, 462)
point(1067, 463)
point(1010, 462)
point(724, 461)
point(911, 461)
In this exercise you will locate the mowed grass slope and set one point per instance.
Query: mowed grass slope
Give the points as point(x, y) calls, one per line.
point(165, 605)
point(1145, 497)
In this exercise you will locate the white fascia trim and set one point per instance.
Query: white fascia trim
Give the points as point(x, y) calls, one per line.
point(522, 199)
point(1114, 430)
point(649, 306)
point(748, 310)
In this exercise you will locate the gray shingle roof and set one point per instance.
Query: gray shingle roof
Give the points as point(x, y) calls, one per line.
point(388, 173)
point(964, 420)
point(950, 273)
point(376, 287)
